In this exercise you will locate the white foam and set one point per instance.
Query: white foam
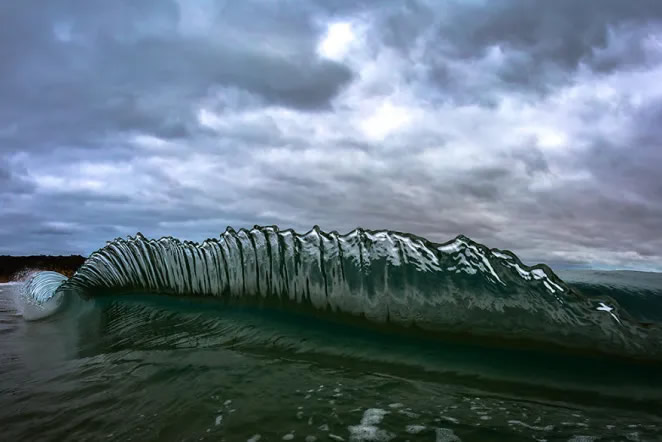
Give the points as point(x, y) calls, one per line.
point(634, 436)
point(373, 416)
point(486, 263)
point(549, 287)
point(523, 273)
point(450, 419)
point(453, 247)
point(414, 429)
point(605, 308)
point(254, 438)
point(531, 427)
point(539, 274)
point(367, 430)
point(407, 412)
point(500, 255)
point(446, 435)
point(360, 433)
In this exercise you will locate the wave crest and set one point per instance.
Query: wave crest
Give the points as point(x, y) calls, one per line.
point(459, 287)
point(39, 296)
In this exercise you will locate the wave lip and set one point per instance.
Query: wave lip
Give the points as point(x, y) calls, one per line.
point(387, 277)
point(39, 296)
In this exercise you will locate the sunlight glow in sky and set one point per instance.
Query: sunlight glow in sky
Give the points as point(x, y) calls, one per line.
point(335, 43)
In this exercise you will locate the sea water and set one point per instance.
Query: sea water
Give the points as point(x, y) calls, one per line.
point(158, 340)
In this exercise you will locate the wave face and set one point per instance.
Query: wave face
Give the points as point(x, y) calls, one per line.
point(640, 293)
point(459, 287)
point(39, 297)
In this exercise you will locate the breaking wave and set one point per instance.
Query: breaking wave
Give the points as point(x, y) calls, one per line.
point(458, 288)
point(39, 297)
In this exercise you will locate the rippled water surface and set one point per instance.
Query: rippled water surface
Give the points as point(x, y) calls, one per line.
point(145, 367)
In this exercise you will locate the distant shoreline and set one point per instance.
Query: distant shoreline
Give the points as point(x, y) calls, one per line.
point(12, 266)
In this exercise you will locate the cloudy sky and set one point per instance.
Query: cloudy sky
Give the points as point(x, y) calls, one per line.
point(534, 126)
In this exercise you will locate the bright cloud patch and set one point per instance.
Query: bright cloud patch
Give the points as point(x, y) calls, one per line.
point(335, 43)
point(384, 121)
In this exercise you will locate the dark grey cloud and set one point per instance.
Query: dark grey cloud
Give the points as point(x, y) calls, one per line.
point(528, 126)
point(12, 179)
point(542, 44)
point(73, 71)
point(563, 32)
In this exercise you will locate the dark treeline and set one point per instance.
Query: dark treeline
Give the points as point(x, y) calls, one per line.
point(12, 266)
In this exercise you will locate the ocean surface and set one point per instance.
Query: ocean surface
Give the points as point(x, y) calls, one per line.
point(270, 335)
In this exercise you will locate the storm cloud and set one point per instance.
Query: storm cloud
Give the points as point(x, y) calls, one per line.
point(533, 126)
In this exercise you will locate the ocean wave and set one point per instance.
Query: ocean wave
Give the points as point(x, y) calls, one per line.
point(39, 297)
point(456, 288)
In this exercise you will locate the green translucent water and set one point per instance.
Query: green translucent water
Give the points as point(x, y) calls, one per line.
point(267, 334)
point(145, 367)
